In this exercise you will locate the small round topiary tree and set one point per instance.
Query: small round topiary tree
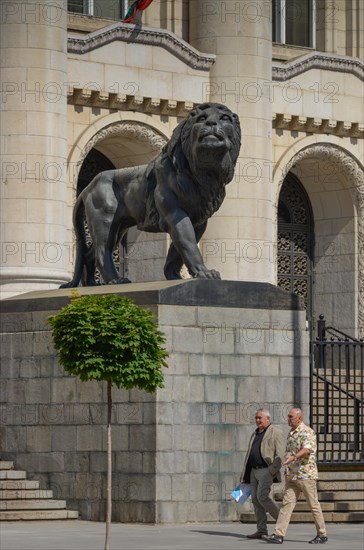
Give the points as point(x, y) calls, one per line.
point(109, 338)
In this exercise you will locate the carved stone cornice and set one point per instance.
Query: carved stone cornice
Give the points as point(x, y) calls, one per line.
point(316, 60)
point(316, 125)
point(124, 102)
point(135, 34)
point(353, 169)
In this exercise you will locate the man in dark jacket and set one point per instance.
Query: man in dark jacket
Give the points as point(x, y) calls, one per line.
point(262, 468)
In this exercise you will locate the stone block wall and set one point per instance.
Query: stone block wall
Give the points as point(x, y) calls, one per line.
point(224, 364)
point(177, 454)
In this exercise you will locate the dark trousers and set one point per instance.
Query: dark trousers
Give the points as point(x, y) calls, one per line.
point(261, 482)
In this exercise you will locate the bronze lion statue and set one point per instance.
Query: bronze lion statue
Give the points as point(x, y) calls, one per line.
point(177, 193)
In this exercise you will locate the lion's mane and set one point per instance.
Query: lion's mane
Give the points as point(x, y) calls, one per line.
point(207, 188)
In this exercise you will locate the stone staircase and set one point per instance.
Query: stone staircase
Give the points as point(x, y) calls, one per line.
point(338, 431)
point(22, 499)
point(341, 495)
point(340, 486)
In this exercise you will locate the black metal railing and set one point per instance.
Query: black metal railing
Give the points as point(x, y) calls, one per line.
point(337, 395)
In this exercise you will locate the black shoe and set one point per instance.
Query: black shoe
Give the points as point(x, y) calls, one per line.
point(275, 539)
point(320, 539)
point(257, 535)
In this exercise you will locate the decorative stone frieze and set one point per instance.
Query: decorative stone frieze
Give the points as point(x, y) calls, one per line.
point(315, 60)
point(355, 174)
point(123, 102)
point(316, 125)
point(125, 32)
point(171, 107)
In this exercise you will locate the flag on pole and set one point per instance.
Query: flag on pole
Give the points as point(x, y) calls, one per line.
point(132, 11)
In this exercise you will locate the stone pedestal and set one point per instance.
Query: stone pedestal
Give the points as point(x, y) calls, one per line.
point(177, 454)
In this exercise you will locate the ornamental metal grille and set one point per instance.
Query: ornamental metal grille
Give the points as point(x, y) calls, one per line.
point(294, 242)
point(337, 395)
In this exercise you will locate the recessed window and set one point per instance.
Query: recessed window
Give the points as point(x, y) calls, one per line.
point(294, 22)
point(108, 9)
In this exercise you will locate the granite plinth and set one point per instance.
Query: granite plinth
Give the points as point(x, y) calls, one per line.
point(177, 454)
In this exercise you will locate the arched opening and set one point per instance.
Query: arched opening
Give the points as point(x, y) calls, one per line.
point(140, 256)
point(334, 183)
point(94, 163)
point(295, 241)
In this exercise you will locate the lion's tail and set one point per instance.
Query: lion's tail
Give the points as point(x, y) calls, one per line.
point(81, 244)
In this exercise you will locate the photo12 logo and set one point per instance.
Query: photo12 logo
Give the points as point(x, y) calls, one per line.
point(49, 12)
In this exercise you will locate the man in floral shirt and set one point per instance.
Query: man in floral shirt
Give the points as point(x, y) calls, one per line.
point(301, 476)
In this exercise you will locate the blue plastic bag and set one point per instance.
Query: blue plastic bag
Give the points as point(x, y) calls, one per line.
point(241, 493)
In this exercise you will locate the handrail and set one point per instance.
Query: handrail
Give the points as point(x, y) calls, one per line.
point(337, 387)
point(334, 330)
point(337, 395)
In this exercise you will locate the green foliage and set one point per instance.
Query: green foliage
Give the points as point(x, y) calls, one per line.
point(108, 337)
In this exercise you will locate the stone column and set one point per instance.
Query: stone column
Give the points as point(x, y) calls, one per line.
point(35, 253)
point(238, 240)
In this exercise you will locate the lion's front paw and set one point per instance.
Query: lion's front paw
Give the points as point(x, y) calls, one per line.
point(119, 281)
point(205, 273)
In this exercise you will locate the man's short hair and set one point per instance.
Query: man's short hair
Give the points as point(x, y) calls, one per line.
point(265, 411)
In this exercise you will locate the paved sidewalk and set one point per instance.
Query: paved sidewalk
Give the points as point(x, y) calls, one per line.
point(85, 535)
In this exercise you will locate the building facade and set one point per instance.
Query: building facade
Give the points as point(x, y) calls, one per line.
point(83, 92)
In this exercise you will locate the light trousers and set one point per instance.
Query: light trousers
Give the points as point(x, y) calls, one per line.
point(292, 492)
point(261, 482)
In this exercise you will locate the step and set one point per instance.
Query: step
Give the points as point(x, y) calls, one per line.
point(306, 517)
point(32, 515)
point(338, 395)
point(341, 373)
point(329, 517)
point(21, 499)
point(337, 407)
point(334, 391)
point(22, 485)
point(331, 496)
point(335, 439)
point(21, 494)
point(326, 475)
point(6, 465)
point(340, 485)
point(334, 402)
point(335, 422)
point(39, 504)
point(335, 449)
point(337, 458)
point(338, 414)
point(333, 506)
point(12, 474)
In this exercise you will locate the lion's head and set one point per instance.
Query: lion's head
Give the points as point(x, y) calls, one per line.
point(207, 142)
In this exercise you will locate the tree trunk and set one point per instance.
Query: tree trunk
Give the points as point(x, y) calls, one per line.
point(109, 468)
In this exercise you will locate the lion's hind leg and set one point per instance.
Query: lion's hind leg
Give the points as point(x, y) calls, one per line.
point(104, 246)
point(173, 265)
point(89, 279)
point(104, 261)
